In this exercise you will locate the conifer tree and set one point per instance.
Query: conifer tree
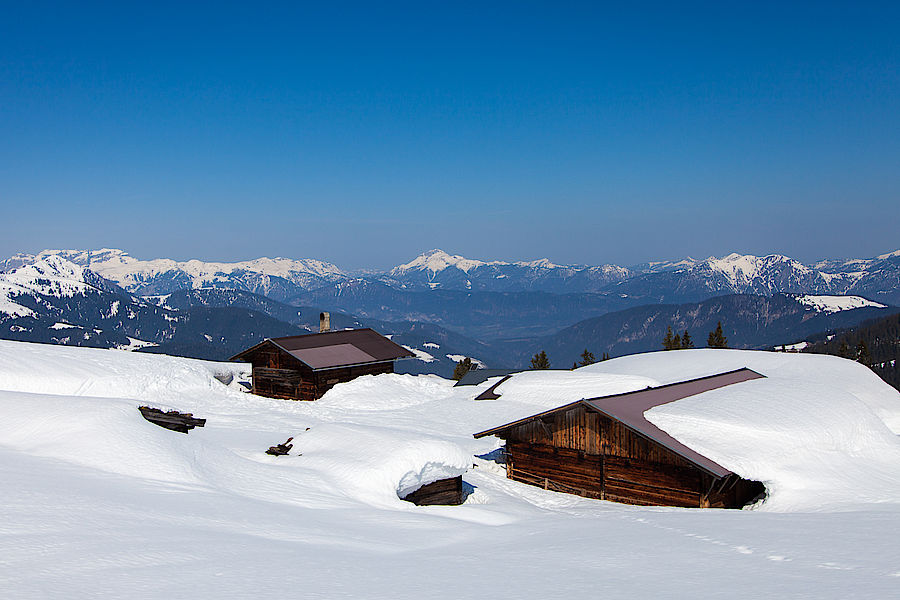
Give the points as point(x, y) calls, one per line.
point(462, 367)
point(862, 353)
point(717, 338)
point(668, 340)
point(605, 356)
point(686, 340)
point(844, 350)
point(676, 342)
point(587, 358)
point(540, 361)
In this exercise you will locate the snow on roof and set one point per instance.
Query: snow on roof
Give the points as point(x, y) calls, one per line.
point(817, 431)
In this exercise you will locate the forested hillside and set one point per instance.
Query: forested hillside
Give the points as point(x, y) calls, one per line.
point(874, 343)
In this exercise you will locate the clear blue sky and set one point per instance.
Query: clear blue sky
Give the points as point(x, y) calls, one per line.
point(366, 133)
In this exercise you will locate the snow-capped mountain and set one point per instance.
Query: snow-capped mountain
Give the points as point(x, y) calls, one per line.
point(689, 279)
point(54, 300)
point(437, 269)
point(277, 278)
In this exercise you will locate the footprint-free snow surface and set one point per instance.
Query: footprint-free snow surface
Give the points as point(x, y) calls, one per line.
point(97, 502)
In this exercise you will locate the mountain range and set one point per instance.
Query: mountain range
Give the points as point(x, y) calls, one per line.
point(491, 300)
point(49, 298)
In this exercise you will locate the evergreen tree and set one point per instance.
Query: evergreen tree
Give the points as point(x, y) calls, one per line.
point(862, 353)
point(462, 367)
point(605, 356)
point(668, 340)
point(717, 338)
point(676, 342)
point(574, 366)
point(844, 350)
point(686, 340)
point(587, 358)
point(540, 361)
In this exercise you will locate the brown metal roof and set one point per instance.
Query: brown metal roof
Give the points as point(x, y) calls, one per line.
point(629, 409)
point(338, 348)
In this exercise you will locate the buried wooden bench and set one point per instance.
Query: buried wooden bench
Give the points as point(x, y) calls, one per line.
point(174, 420)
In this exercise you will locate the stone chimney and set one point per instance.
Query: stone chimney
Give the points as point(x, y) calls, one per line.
point(324, 322)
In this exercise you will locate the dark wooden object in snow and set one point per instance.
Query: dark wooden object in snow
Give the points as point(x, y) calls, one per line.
point(281, 449)
point(444, 491)
point(604, 448)
point(174, 420)
point(304, 367)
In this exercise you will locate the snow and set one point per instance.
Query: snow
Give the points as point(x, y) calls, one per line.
point(62, 325)
point(458, 357)
point(50, 276)
point(96, 501)
point(136, 344)
point(833, 304)
point(431, 345)
point(791, 347)
point(420, 354)
point(131, 273)
point(435, 261)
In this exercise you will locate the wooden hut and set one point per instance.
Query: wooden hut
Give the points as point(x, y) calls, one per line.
point(304, 367)
point(604, 448)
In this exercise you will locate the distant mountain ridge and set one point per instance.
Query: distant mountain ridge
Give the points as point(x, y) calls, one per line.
point(284, 279)
point(490, 300)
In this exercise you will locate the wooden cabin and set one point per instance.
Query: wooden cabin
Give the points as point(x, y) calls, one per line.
point(304, 367)
point(604, 448)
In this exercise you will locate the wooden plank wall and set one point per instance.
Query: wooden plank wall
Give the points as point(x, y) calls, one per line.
point(589, 454)
point(277, 374)
point(289, 384)
point(444, 491)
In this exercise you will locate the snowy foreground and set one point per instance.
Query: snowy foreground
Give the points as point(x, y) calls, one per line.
point(97, 502)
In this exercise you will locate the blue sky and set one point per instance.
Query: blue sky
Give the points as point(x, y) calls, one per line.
point(366, 133)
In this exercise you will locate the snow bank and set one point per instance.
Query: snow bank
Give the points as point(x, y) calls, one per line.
point(386, 392)
point(66, 370)
point(380, 465)
point(79, 405)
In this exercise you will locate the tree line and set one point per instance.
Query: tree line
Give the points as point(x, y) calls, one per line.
point(715, 339)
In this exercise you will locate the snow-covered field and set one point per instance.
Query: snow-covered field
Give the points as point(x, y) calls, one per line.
point(97, 502)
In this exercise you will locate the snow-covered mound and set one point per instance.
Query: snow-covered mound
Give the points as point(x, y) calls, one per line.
point(818, 431)
point(833, 304)
point(80, 405)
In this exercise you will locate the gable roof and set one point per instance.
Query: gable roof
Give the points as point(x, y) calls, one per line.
point(335, 349)
point(629, 409)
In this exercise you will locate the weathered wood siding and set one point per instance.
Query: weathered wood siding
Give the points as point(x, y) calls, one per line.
point(277, 374)
point(445, 491)
point(587, 453)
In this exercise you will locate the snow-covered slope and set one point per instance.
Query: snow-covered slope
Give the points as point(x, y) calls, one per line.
point(97, 501)
point(833, 304)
